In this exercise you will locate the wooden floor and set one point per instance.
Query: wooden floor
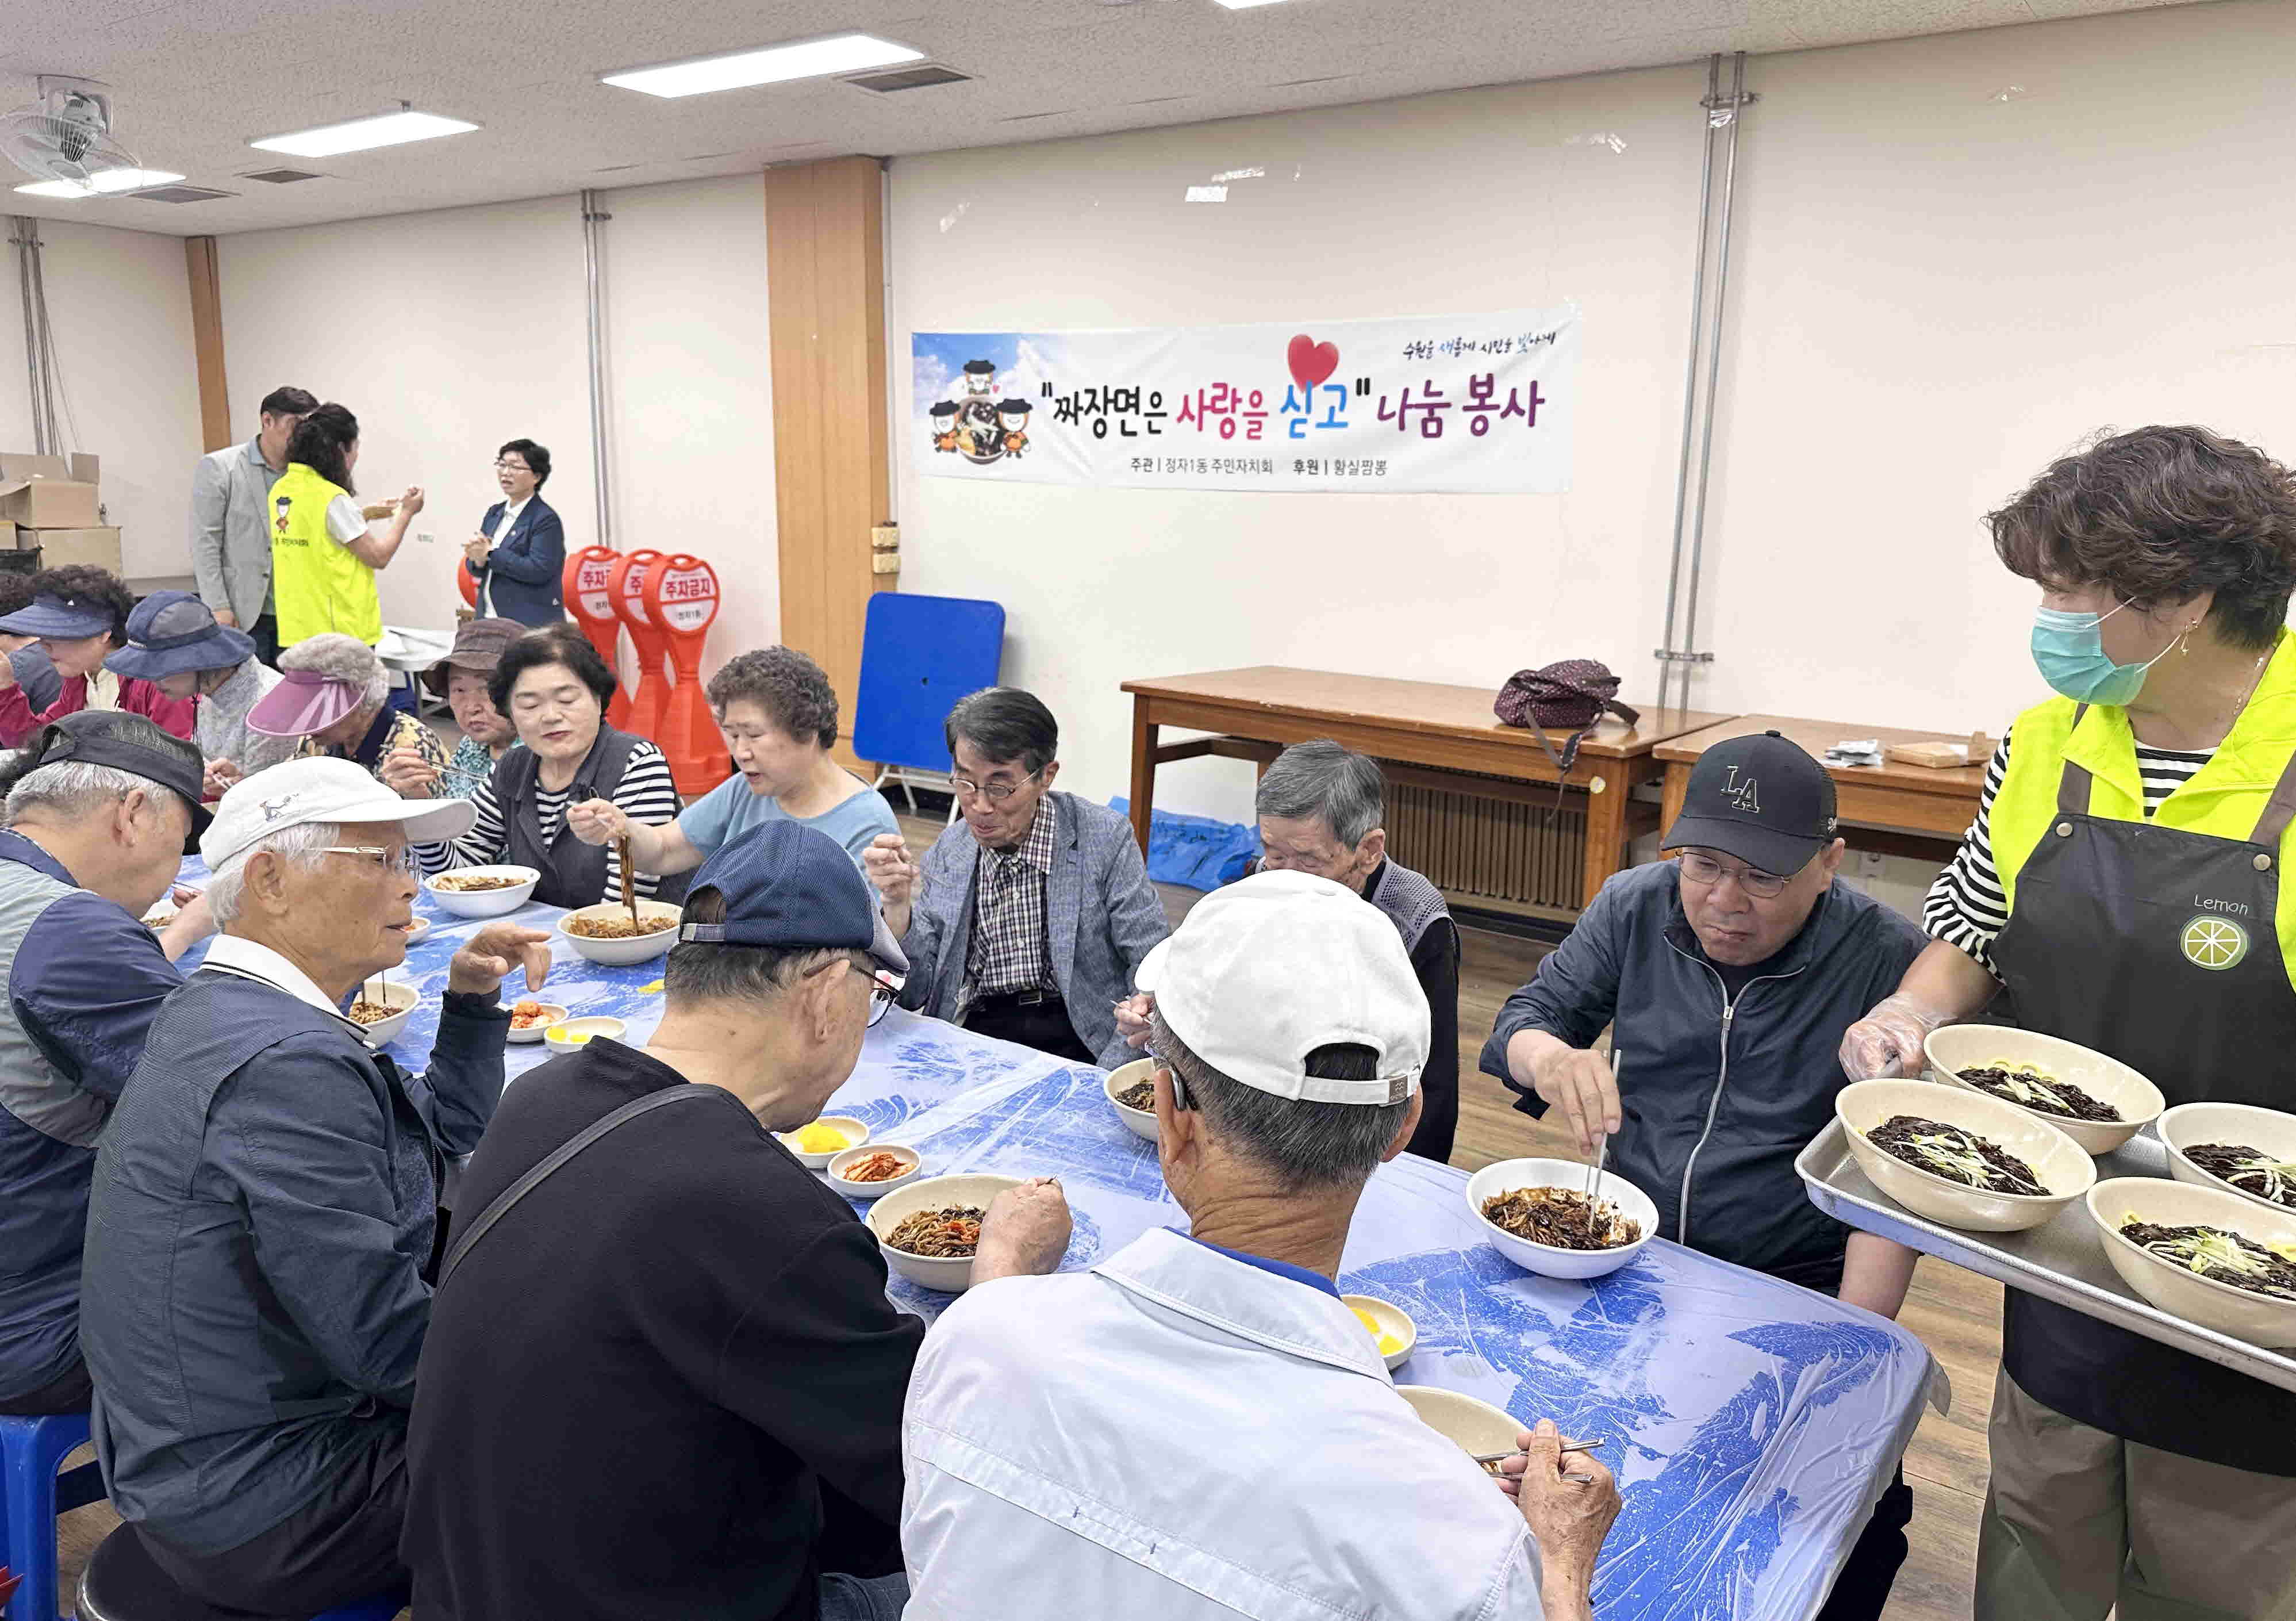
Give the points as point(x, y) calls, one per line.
point(1957, 1314)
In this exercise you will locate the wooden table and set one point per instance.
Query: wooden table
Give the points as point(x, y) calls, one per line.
point(1254, 713)
point(1914, 811)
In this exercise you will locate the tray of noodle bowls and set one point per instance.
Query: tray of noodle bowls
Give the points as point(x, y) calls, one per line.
point(2099, 1102)
point(929, 1230)
point(1949, 1170)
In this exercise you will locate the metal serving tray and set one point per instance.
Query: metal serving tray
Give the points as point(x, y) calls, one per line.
point(2063, 1261)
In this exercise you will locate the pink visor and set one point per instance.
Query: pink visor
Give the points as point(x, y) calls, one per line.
point(303, 703)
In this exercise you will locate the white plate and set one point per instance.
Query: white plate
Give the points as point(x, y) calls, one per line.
point(484, 902)
point(1393, 1319)
point(1550, 1260)
point(949, 1274)
point(857, 1133)
point(1141, 1122)
point(1959, 1046)
point(2225, 1307)
point(871, 1190)
point(623, 953)
point(535, 1033)
point(2191, 1124)
point(568, 1034)
point(1474, 1426)
point(2062, 1164)
point(405, 997)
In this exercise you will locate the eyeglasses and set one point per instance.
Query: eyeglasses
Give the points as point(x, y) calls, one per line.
point(1704, 870)
point(401, 859)
point(998, 792)
point(513, 467)
point(884, 985)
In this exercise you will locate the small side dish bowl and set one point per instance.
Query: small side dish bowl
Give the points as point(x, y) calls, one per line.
point(2227, 1308)
point(418, 931)
point(2189, 1126)
point(554, 1015)
point(483, 902)
point(2061, 1164)
point(568, 1034)
point(1960, 1047)
point(1552, 1260)
point(839, 1164)
point(1141, 1122)
point(948, 1274)
point(404, 998)
point(1475, 1428)
point(854, 1131)
point(1392, 1319)
point(629, 950)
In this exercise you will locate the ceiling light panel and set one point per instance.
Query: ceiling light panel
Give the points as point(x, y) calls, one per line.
point(772, 65)
point(1245, 5)
point(108, 183)
point(363, 135)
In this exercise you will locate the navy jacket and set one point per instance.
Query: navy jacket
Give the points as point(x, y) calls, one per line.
point(1717, 1098)
point(525, 570)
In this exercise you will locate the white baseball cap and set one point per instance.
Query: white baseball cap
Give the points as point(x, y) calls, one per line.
point(322, 789)
point(1262, 973)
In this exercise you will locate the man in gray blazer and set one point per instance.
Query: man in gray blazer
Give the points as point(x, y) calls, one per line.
point(1027, 919)
point(231, 520)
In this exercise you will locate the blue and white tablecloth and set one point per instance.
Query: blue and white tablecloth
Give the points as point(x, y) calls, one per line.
point(1752, 1424)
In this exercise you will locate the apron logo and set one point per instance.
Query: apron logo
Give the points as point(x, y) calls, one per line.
point(2214, 942)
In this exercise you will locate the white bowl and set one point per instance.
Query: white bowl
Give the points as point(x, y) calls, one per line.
point(2192, 1123)
point(1959, 1046)
point(2222, 1306)
point(1393, 1319)
point(535, 1033)
point(418, 931)
point(856, 1133)
point(1550, 1260)
point(485, 902)
point(405, 997)
point(623, 953)
point(2063, 1165)
point(949, 1274)
point(1141, 1122)
point(871, 1190)
point(570, 1034)
point(1475, 1428)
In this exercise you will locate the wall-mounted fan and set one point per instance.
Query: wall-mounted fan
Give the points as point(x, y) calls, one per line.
point(66, 135)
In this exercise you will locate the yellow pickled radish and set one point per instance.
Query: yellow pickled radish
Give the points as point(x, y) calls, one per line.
point(1388, 1344)
point(819, 1139)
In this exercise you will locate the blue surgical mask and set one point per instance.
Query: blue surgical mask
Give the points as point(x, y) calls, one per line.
point(2069, 648)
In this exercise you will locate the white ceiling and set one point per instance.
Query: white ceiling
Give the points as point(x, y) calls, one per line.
point(194, 80)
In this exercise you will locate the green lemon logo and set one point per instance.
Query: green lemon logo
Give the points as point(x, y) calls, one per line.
point(2214, 942)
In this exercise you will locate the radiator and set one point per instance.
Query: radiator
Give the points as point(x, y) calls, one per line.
point(1499, 854)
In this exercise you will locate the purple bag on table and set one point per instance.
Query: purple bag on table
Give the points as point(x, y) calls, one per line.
point(1572, 697)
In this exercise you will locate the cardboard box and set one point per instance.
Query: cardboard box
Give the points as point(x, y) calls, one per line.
point(59, 546)
point(10, 539)
point(49, 504)
point(81, 467)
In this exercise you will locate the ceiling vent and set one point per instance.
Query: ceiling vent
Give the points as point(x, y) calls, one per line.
point(281, 176)
point(909, 78)
point(179, 193)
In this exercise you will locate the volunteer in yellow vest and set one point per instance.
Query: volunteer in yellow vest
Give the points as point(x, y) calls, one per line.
point(2121, 888)
point(324, 557)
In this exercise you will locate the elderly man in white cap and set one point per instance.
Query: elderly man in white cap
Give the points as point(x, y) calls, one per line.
point(256, 1286)
point(1199, 1426)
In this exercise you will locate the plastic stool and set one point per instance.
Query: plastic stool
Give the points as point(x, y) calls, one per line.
point(123, 1583)
point(30, 1449)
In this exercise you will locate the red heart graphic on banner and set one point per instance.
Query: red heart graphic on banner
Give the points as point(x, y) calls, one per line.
point(1312, 362)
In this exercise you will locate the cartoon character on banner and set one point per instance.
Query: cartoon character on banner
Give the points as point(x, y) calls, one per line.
point(973, 424)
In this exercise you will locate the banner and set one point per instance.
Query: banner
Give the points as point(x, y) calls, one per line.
point(1450, 403)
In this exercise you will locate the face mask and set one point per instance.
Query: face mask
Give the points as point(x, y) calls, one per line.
point(2068, 649)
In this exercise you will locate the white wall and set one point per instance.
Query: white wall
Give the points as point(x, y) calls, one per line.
point(1934, 293)
point(450, 333)
point(120, 306)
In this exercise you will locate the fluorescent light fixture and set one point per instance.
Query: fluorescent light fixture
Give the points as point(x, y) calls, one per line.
point(361, 134)
point(106, 183)
point(774, 64)
point(1245, 5)
point(1207, 193)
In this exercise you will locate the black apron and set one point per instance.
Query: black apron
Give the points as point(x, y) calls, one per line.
point(2104, 946)
point(573, 873)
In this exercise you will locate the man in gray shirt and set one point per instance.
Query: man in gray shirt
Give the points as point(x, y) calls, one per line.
point(231, 528)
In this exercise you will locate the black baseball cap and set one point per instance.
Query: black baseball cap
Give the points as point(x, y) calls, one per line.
point(793, 887)
point(1760, 798)
point(92, 736)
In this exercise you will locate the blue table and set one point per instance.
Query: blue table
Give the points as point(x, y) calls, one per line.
point(1753, 1424)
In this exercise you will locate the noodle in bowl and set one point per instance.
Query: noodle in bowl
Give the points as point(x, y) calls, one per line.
point(1549, 1260)
point(949, 1273)
point(616, 946)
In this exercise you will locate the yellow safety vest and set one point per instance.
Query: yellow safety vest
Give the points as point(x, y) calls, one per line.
point(2224, 799)
point(316, 584)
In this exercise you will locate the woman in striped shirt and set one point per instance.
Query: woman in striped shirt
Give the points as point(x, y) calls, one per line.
point(553, 687)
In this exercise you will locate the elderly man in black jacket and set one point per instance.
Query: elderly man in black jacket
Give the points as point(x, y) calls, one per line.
point(1728, 976)
point(255, 1294)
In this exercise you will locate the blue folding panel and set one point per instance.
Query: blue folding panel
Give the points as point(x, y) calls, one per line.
point(919, 655)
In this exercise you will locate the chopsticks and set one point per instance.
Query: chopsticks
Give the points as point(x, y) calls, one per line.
point(630, 885)
point(1568, 1446)
point(1601, 1153)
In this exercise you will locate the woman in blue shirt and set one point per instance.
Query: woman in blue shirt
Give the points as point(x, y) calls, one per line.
point(778, 713)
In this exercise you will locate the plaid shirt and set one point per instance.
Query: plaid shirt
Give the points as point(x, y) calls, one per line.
point(1011, 948)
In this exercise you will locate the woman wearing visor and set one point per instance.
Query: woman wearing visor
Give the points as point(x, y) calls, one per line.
point(2154, 792)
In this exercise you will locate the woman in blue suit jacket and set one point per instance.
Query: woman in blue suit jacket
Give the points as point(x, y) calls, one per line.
point(519, 553)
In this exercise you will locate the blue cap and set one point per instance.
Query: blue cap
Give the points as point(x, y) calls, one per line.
point(69, 619)
point(173, 633)
point(793, 887)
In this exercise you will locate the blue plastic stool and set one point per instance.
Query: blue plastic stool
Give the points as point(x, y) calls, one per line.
point(123, 1583)
point(30, 1449)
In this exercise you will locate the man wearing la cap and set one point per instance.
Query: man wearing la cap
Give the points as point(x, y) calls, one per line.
point(175, 643)
point(1200, 1427)
point(1727, 977)
point(683, 1298)
point(97, 813)
point(264, 1207)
